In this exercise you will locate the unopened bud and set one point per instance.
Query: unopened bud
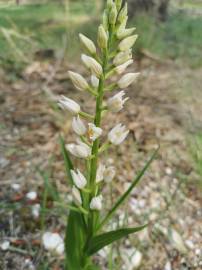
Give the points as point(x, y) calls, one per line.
point(102, 37)
point(109, 4)
point(88, 44)
point(127, 43)
point(118, 4)
point(78, 81)
point(94, 81)
point(96, 203)
point(123, 13)
point(127, 80)
point(92, 64)
point(78, 126)
point(123, 33)
point(105, 20)
point(122, 57)
point(113, 15)
point(120, 69)
point(76, 196)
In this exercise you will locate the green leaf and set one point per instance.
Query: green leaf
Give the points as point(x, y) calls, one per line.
point(100, 241)
point(68, 164)
point(128, 191)
point(52, 191)
point(74, 241)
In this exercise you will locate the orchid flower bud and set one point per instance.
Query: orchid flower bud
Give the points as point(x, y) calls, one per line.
point(127, 43)
point(109, 4)
point(123, 33)
point(100, 173)
point(118, 134)
point(79, 179)
point(109, 174)
point(94, 132)
point(80, 150)
point(78, 126)
point(122, 57)
point(78, 81)
point(105, 20)
point(127, 80)
point(88, 44)
point(94, 81)
point(53, 242)
point(96, 203)
point(76, 196)
point(115, 103)
point(120, 69)
point(69, 104)
point(123, 13)
point(113, 14)
point(92, 64)
point(102, 37)
point(118, 4)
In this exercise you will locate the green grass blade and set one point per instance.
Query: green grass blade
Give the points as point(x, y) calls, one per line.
point(126, 194)
point(100, 241)
point(67, 160)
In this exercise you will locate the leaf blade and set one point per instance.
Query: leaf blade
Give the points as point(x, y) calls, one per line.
point(100, 241)
point(68, 164)
point(128, 191)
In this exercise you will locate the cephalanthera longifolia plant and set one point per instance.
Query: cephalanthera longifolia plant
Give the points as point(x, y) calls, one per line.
point(84, 233)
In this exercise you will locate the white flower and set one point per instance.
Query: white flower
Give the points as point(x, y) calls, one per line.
point(96, 203)
point(115, 103)
point(70, 105)
point(127, 43)
point(94, 132)
point(100, 173)
point(120, 69)
point(78, 81)
point(88, 44)
point(92, 64)
point(80, 150)
point(53, 243)
point(79, 179)
point(118, 134)
point(32, 195)
point(5, 245)
point(78, 126)
point(109, 174)
point(122, 57)
point(127, 80)
point(36, 210)
point(76, 196)
point(102, 37)
point(94, 81)
point(15, 186)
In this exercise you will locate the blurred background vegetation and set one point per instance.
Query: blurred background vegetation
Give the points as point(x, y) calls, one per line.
point(169, 29)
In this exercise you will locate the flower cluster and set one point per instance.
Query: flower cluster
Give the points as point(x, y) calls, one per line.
point(111, 57)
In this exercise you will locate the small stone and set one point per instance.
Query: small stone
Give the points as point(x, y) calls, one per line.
point(168, 171)
point(15, 186)
point(32, 195)
point(5, 245)
point(168, 266)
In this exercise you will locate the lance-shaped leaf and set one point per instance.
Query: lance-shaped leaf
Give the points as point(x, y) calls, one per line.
point(128, 191)
point(74, 241)
point(100, 241)
point(67, 160)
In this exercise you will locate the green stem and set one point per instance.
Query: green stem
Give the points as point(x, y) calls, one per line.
point(93, 217)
